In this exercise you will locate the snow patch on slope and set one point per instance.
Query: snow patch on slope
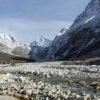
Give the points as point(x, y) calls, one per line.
point(89, 19)
point(62, 31)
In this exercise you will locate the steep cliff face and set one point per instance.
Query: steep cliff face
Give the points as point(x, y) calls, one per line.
point(83, 40)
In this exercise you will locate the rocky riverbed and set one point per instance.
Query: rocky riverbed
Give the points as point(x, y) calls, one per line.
point(49, 81)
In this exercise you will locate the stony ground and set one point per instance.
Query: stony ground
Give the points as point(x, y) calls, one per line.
point(49, 81)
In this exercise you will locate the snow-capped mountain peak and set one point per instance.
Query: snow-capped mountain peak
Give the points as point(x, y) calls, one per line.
point(8, 40)
point(42, 42)
point(7, 37)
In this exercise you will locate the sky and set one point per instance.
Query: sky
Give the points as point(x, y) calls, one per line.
point(28, 20)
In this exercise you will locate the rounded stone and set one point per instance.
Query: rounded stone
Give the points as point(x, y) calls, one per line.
point(28, 92)
point(82, 83)
point(82, 93)
point(68, 92)
point(93, 97)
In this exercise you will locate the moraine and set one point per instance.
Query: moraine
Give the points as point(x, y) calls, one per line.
point(51, 80)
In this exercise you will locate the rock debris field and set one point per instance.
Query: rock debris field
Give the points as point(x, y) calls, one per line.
point(49, 81)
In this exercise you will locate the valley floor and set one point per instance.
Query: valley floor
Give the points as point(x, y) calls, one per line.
point(49, 81)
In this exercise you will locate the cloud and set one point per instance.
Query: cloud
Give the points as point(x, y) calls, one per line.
point(28, 30)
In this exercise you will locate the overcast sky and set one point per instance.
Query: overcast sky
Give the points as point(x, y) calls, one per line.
point(27, 20)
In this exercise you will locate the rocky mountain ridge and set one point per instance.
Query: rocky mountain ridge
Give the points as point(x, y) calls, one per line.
point(83, 36)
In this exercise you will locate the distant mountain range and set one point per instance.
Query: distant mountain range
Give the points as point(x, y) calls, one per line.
point(10, 45)
point(80, 41)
